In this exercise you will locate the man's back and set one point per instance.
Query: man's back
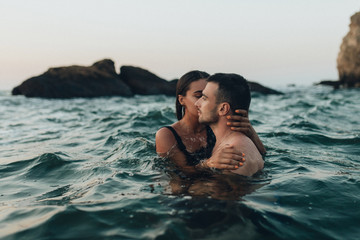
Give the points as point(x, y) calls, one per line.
point(253, 159)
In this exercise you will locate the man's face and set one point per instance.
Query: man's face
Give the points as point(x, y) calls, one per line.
point(206, 105)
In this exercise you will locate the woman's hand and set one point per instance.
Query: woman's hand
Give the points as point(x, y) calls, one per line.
point(226, 157)
point(240, 123)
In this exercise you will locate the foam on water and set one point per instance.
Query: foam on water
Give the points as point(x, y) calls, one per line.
point(87, 169)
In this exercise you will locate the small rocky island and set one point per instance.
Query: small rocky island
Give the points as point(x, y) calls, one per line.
point(348, 61)
point(101, 79)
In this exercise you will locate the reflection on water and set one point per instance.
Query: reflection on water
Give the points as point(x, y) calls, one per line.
point(216, 186)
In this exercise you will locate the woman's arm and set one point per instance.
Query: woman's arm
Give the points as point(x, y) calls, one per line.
point(241, 123)
point(256, 140)
point(166, 147)
point(225, 158)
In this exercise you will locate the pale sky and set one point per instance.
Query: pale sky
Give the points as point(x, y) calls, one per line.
point(275, 42)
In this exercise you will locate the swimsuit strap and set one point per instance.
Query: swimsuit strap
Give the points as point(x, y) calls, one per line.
point(202, 153)
point(178, 140)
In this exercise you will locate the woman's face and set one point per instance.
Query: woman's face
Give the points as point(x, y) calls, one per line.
point(192, 95)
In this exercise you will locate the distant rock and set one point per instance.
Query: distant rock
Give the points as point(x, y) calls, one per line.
point(256, 87)
point(98, 80)
point(348, 61)
point(332, 83)
point(144, 82)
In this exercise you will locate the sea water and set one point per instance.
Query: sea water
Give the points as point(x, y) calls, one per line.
point(87, 169)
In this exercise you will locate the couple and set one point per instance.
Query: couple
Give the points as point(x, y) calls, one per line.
point(213, 131)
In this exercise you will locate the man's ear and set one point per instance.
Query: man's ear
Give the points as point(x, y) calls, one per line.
point(181, 99)
point(224, 108)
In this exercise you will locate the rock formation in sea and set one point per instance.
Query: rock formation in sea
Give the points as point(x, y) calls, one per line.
point(256, 87)
point(348, 61)
point(101, 79)
point(333, 83)
point(144, 82)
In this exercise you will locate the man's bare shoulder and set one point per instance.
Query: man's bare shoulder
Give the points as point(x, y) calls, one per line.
point(244, 140)
point(240, 140)
point(253, 159)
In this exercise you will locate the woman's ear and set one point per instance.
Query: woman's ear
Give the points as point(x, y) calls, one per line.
point(181, 99)
point(224, 109)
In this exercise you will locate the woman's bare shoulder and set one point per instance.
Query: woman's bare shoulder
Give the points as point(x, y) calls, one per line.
point(164, 140)
point(163, 133)
point(166, 134)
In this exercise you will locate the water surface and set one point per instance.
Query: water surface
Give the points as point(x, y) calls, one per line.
point(87, 169)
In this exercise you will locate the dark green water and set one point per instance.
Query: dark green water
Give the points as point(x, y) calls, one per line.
point(87, 169)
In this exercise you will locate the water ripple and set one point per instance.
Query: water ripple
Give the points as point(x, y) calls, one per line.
point(87, 168)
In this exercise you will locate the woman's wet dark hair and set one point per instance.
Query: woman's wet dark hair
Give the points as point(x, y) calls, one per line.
point(183, 85)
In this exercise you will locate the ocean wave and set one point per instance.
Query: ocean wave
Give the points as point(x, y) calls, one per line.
point(87, 168)
point(49, 166)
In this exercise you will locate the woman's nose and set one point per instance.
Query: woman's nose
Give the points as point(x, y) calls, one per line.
point(197, 103)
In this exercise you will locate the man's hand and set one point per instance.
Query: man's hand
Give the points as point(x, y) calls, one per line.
point(227, 157)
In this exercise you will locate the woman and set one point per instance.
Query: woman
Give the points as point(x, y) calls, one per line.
point(188, 143)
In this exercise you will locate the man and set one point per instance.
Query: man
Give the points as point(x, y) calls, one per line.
point(222, 95)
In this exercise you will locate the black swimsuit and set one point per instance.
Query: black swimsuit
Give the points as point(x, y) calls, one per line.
point(203, 153)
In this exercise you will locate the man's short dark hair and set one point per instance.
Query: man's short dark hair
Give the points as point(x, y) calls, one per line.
point(233, 89)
